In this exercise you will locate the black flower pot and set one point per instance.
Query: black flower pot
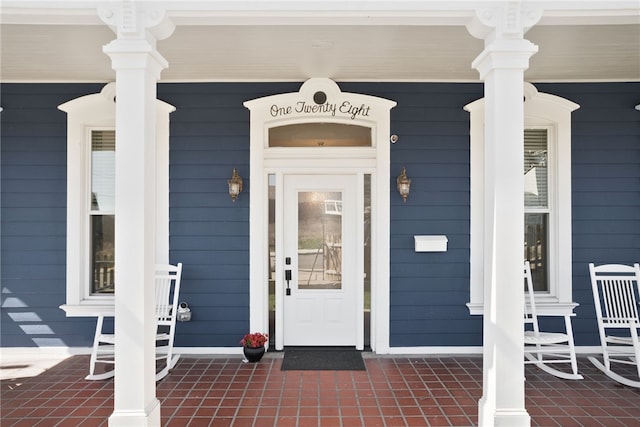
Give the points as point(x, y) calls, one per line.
point(253, 354)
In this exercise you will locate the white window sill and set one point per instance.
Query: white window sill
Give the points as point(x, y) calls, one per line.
point(105, 308)
point(543, 308)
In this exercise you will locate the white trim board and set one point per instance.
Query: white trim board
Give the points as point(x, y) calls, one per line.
point(299, 108)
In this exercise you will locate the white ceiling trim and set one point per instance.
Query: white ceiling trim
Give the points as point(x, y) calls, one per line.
point(310, 12)
point(294, 40)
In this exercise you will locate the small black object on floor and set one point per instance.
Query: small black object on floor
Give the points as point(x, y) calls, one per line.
point(322, 359)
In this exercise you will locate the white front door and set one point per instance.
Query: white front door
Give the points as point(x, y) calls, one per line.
point(320, 251)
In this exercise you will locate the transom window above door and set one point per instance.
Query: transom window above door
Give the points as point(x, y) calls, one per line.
point(320, 135)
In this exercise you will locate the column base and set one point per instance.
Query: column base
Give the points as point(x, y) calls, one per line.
point(489, 417)
point(512, 418)
point(149, 417)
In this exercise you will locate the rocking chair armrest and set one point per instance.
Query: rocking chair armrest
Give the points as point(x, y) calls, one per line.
point(621, 322)
point(565, 315)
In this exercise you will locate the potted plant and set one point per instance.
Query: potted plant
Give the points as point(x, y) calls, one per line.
point(253, 346)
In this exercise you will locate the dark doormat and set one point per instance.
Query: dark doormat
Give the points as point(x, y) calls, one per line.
point(322, 359)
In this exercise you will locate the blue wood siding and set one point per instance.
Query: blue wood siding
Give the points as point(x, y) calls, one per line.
point(429, 290)
point(209, 233)
point(33, 217)
point(605, 150)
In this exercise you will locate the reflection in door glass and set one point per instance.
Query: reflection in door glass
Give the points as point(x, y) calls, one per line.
point(319, 240)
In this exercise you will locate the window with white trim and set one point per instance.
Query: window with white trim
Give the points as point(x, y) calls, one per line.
point(547, 189)
point(91, 198)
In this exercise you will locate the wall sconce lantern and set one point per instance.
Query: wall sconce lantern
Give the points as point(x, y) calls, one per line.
point(403, 184)
point(235, 185)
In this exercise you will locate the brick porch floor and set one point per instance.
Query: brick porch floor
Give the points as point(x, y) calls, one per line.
point(393, 391)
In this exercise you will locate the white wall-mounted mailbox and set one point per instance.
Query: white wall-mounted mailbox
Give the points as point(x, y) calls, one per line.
point(431, 243)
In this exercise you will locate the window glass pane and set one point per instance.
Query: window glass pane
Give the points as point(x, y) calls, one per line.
point(536, 230)
point(102, 254)
point(536, 178)
point(319, 240)
point(320, 135)
point(103, 167)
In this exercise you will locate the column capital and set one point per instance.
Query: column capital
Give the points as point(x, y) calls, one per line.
point(137, 26)
point(503, 20)
point(137, 20)
point(504, 54)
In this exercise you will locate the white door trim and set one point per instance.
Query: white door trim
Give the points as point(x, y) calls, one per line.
point(283, 109)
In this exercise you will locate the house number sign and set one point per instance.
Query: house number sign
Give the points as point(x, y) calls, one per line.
point(345, 108)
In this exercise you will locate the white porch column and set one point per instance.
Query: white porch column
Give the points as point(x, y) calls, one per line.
point(501, 65)
point(137, 64)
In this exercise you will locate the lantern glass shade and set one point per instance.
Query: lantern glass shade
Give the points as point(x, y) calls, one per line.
point(403, 184)
point(235, 185)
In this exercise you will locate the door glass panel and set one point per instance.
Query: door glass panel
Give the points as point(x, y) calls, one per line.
point(367, 259)
point(271, 280)
point(319, 240)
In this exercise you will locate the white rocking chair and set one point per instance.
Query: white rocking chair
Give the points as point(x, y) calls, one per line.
point(546, 348)
point(167, 291)
point(616, 293)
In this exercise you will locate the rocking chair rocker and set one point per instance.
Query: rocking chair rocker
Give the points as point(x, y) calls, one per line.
point(167, 291)
point(545, 348)
point(616, 293)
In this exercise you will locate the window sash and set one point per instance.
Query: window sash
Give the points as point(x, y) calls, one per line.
point(102, 254)
point(536, 249)
point(101, 221)
point(536, 208)
point(103, 170)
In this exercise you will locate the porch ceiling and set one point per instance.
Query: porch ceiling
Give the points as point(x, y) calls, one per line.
point(297, 49)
